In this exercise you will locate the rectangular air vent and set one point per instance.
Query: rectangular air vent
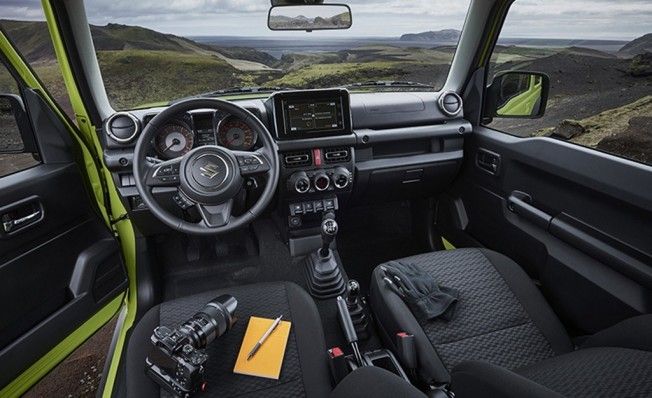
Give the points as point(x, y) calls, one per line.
point(297, 159)
point(337, 155)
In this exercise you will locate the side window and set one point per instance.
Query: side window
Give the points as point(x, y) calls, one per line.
point(17, 149)
point(599, 72)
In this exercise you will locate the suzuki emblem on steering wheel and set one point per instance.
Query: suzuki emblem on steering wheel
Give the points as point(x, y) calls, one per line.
point(209, 170)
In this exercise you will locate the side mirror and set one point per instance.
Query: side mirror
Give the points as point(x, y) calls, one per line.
point(517, 94)
point(15, 131)
point(310, 17)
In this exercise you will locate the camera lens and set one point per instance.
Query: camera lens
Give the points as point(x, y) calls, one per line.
point(212, 321)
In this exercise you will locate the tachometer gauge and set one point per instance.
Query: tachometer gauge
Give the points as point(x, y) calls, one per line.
point(173, 140)
point(235, 134)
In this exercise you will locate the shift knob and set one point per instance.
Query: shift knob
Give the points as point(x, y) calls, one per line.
point(328, 232)
point(352, 291)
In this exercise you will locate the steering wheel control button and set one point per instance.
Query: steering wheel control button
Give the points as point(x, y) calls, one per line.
point(251, 164)
point(182, 201)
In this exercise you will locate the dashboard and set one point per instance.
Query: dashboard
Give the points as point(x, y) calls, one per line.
point(194, 129)
point(337, 149)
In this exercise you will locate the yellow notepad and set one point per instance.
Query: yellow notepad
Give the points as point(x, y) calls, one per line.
point(269, 358)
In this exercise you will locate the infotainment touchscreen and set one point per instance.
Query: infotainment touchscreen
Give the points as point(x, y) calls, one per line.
point(313, 116)
point(312, 113)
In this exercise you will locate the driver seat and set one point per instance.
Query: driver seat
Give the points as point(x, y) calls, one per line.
point(305, 368)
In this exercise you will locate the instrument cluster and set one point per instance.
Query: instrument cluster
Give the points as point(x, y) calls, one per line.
point(194, 129)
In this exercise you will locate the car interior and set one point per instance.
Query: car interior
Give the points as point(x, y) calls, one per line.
point(415, 250)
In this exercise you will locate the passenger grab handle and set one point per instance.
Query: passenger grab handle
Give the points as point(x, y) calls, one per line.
point(520, 203)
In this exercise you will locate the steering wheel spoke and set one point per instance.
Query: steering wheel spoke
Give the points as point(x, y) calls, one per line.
point(215, 215)
point(164, 174)
point(252, 163)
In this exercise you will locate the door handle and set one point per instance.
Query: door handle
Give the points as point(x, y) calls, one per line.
point(520, 203)
point(488, 161)
point(20, 215)
point(10, 225)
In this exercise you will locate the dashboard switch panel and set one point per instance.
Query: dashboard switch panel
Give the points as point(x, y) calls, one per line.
point(313, 206)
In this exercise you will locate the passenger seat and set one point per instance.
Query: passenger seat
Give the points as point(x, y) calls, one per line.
point(504, 339)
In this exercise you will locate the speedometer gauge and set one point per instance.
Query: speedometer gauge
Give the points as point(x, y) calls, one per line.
point(235, 134)
point(173, 140)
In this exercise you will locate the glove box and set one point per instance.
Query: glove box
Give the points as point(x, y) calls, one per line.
point(405, 177)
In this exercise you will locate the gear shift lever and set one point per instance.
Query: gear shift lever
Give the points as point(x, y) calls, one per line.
point(328, 232)
point(324, 274)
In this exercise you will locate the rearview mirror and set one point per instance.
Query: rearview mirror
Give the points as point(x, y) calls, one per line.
point(517, 94)
point(309, 17)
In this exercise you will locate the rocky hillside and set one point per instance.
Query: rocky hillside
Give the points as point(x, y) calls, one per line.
point(624, 130)
point(637, 46)
point(440, 36)
point(33, 39)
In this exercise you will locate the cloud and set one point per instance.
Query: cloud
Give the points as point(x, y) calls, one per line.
point(622, 19)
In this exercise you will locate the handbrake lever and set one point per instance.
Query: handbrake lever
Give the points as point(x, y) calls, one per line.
point(349, 330)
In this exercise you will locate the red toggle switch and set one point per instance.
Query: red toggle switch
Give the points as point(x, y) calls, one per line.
point(316, 156)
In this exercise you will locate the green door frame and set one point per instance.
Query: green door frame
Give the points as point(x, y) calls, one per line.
point(108, 202)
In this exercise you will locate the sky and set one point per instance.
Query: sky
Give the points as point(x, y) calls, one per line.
point(569, 19)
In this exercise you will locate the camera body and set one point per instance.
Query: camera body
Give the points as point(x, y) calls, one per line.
point(174, 363)
point(178, 358)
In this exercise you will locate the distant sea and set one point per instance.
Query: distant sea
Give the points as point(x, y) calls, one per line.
point(279, 46)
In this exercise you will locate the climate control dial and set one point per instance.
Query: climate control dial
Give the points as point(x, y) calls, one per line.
point(341, 177)
point(299, 182)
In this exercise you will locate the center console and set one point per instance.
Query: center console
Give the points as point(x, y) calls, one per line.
point(316, 173)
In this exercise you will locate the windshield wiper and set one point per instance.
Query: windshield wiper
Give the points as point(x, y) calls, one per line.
point(389, 83)
point(234, 90)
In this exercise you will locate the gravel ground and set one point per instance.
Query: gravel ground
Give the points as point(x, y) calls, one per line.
point(80, 374)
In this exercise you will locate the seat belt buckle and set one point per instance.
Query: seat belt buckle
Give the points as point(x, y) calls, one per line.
point(406, 350)
point(338, 364)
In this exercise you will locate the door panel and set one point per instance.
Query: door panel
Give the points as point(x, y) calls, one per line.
point(56, 273)
point(60, 265)
point(576, 219)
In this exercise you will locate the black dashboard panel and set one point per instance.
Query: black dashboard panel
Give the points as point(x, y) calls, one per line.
point(379, 146)
point(398, 109)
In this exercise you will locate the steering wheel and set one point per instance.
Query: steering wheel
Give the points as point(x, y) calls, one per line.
point(207, 177)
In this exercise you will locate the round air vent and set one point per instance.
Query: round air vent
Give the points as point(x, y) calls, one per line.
point(450, 103)
point(122, 127)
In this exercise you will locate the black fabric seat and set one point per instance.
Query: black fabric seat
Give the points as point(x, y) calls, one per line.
point(305, 369)
point(505, 340)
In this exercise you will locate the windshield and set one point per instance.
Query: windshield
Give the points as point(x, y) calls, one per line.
point(154, 52)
